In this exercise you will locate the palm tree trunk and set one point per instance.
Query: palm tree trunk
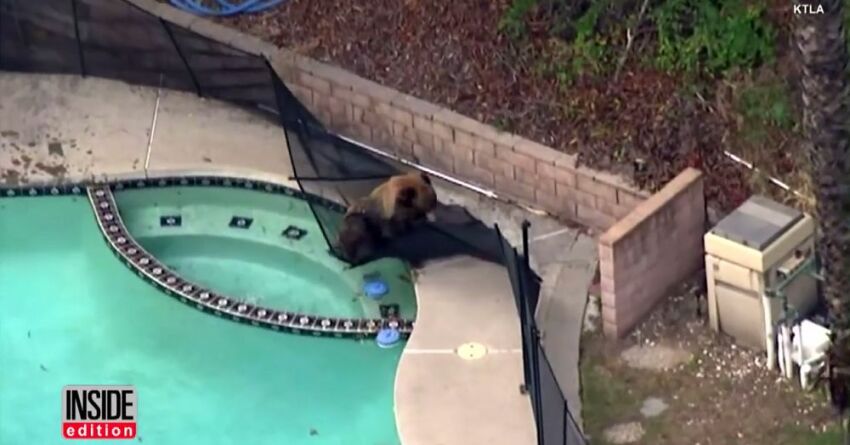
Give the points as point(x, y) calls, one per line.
point(826, 117)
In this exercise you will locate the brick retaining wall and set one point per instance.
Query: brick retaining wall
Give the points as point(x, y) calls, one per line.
point(449, 142)
point(457, 145)
point(650, 251)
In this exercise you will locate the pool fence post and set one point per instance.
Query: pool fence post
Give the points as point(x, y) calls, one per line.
point(525, 226)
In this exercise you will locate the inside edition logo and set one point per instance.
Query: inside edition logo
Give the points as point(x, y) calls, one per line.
point(99, 412)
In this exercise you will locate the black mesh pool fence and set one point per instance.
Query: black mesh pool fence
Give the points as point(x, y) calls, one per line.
point(115, 39)
point(554, 421)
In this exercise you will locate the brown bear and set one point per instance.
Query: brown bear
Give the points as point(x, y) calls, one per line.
point(390, 210)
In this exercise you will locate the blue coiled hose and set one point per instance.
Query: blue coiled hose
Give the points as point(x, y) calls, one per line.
point(225, 8)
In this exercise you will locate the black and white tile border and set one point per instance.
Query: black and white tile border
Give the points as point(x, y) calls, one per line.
point(42, 190)
point(79, 188)
point(148, 268)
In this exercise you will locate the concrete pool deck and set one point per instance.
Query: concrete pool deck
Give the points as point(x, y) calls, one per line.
point(69, 128)
point(65, 128)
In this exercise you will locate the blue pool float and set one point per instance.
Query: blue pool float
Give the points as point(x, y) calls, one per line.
point(375, 288)
point(388, 337)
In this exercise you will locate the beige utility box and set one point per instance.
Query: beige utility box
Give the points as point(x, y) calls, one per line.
point(762, 245)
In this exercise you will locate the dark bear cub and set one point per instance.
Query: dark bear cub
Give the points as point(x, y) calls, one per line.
point(359, 237)
point(390, 210)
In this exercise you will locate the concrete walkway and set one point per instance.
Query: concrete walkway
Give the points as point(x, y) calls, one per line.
point(567, 272)
point(67, 128)
point(566, 259)
point(64, 128)
point(443, 399)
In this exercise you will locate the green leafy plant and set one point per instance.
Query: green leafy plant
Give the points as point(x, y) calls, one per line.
point(700, 35)
point(512, 22)
point(767, 105)
point(554, 62)
point(588, 53)
point(763, 108)
point(589, 50)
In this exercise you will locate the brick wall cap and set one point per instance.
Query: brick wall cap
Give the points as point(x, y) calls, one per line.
point(250, 44)
point(459, 121)
point(566, 160)
point(538, 151)
point(645, 210)
point(605, 178)
point(415, 105)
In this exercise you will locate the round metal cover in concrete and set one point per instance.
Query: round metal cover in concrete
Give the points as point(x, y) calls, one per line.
point(757, 222)
point(471, 351)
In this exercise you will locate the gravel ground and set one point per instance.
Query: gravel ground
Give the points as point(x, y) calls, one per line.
point(723, 394)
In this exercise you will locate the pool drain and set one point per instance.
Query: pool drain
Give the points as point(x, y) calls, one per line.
point(388, 337)
point(471, 351)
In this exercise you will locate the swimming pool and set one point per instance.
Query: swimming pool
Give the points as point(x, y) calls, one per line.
point(74, 314)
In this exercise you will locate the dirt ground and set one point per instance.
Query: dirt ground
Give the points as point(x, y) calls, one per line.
point(722, 395)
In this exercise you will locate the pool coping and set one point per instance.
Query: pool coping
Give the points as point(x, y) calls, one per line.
point(145, 265)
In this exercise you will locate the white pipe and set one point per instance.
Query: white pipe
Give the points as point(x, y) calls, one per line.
point(153, 127)
point(431, 171)
point(781, 184)
point(789, 359)
point(488, 193)
point(780, 352)
point(772, 340)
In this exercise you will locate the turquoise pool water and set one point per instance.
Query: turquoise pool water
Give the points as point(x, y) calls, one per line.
point(257, 263)
point(73, 314)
